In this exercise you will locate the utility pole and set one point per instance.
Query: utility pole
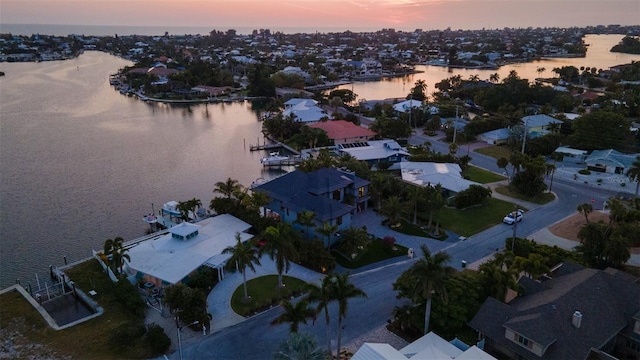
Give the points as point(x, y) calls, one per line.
point(515, 225)
point(524, 135)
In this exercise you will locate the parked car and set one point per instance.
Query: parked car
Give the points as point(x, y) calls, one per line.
point(513, 216)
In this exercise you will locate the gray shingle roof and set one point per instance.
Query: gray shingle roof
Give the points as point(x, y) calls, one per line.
point(607, 300)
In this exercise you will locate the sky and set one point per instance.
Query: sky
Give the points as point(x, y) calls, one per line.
point(404, 15)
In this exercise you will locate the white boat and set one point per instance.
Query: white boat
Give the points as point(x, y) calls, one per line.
point(273, 158)
point(171, 208)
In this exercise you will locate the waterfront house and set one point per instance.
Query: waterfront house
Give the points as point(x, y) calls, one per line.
point(495, 137)
point(333, 195)
point(576, 313)
point(344, 132)
point(375, 151)
point(304, 110)
point(172, 257)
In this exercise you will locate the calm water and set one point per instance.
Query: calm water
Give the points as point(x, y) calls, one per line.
point(80, 163)
point(598, 55)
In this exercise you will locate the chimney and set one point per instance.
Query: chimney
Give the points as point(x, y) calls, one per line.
point(577, 319)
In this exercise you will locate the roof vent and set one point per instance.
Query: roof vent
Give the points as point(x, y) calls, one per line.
point(577, 319)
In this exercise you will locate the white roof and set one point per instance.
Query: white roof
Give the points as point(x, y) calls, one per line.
point(305, 111)
point(407, 105)
point(474, 353)
point(429, 173)
point(426, 344)
point(375, 351)
point(375, 150)
point(171, 260)
point(570, 151)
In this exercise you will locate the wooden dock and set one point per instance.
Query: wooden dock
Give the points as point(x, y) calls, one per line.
point(264, 147)
point(291, 161)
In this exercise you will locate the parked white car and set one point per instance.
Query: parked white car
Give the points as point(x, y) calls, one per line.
point(514, 216)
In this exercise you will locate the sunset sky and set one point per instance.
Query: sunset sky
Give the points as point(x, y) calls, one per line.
point(346, 14)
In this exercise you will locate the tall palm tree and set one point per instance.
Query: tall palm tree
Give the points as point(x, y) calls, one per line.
point(430, 273)
point(379, 184)
point(305, 219)
point(327, 230)
point(634, 173)
point(323, 295)
point(243, 256)
point(295, 314)
point(280, 247)
point(392, 209)
point(116, 253)
point(494, 78)
point(343, 291)
point(260, 199)
point(228, 188)
point(415, 194)
point(585, 209)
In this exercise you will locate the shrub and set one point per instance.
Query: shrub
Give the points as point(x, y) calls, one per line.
point(129, 298)
point(126, 334)
point(474, 195)
point(157, 340)
point(388, 242)
point(584, 172)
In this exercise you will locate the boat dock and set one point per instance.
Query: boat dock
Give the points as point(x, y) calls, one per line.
point(264, 147)
point(291, 161)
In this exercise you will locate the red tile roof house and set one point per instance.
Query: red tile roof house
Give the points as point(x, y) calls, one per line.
point(344, 132)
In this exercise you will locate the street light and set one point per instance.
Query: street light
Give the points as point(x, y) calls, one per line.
point(179, 341)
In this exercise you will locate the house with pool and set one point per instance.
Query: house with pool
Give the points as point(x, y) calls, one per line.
point(333, 195)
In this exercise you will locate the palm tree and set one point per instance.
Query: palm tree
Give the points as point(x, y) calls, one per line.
point(342, 291)
point(634, 173)
point(115, 252)
point(305, 219)
point(585, 209)
point(280, 247)
point(260, 199)
point(414, 195)
point(494, 78)
point(392, 208)
point(299, 347)
point(430, 273)
point(228, 188)
point(243, 256)
point(323, 296)
point(616, 250)
point(498, 280)
point(379, 183)
point(502, 163)
point(353, 238)
point(295, 314)
point(327, 230)
point(533, 266)
point(593, 240)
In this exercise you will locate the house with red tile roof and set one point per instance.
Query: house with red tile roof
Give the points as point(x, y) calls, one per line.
point(344, 132)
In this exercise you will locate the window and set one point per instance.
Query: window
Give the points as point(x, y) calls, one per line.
point(361, 192)
point(523, 340)
point(336, 195)
point(339, 220)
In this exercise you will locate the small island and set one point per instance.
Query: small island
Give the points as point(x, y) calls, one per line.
point(628, 45)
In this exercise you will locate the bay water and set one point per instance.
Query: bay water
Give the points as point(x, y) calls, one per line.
point(81, 163)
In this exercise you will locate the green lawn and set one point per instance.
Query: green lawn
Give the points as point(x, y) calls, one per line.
point(473, 220)
point(264, 293)
point(495, 151)
point(376, 251)
point(540, 199)
point(88, 340)
point(481, 176)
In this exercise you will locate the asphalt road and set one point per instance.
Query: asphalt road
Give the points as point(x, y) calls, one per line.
point(256, 339)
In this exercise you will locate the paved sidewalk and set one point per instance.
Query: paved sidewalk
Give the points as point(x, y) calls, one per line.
point(219, 299)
